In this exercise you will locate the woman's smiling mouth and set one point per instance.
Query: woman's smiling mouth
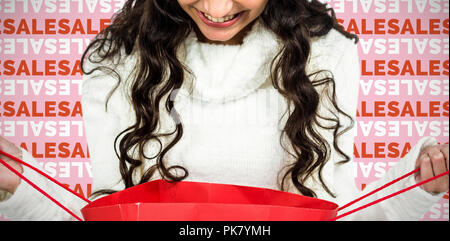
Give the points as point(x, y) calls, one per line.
point(219, 22)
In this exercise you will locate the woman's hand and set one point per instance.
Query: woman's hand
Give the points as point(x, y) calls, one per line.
point(433, 160)
point(8, 180)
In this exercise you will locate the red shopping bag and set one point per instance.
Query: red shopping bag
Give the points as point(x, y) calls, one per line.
point(195, 201)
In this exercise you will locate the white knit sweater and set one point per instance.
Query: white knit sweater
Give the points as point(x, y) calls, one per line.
point(232, 120)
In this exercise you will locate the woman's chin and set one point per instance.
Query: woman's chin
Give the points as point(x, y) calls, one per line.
point(218, 37)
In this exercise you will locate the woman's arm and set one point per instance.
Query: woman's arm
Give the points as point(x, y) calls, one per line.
point(103, 125)
point(410, 205)
point(28, 204)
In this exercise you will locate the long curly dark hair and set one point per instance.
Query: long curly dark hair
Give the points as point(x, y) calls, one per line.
point(157, 28)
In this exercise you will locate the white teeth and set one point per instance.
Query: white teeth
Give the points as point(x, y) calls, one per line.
point(218, 20)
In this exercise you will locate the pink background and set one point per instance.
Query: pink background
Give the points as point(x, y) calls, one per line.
point(75, 171)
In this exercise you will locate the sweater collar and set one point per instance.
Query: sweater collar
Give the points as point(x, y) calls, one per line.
point(223, 73)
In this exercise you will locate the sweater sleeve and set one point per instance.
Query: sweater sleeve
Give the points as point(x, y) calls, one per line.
point(410, 205)
point(28, 204)
point(104, 120)
point(101, 128)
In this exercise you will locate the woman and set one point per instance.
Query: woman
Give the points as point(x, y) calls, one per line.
point(248, 92)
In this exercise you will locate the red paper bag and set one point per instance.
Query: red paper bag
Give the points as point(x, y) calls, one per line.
point(195, 201)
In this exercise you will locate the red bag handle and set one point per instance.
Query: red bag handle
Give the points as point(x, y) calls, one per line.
point(386, 197)
point(36, 187)
point(336, 218)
